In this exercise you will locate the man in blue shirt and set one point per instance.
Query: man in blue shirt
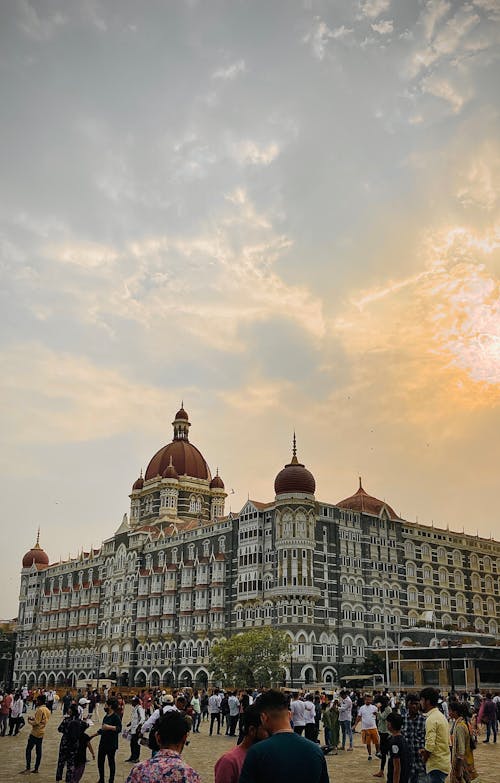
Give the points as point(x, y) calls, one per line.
point(285, 757)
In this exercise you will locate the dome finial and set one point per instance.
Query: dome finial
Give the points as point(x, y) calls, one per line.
point(294, 450)
point(360, 484)
point(38, 536)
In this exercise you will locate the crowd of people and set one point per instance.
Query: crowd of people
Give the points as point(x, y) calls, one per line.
point(417, 738)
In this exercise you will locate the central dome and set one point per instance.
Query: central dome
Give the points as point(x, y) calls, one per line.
point(180, 454)
point(36, 555)
point(294, 477)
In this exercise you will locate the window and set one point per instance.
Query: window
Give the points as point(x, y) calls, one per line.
point(427, 573)
point(476, 582)
point(426, 552)
point(410, 570)
point(474, 562)
point(457, 558)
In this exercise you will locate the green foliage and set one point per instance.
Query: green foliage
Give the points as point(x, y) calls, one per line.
point(251, 658)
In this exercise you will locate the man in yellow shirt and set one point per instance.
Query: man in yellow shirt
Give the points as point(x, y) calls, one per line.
point(38, 723)
point(436, 752)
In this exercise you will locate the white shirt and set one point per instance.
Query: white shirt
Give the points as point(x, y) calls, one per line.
point(138, 717)
point(234, 706)
point(214, 703)
point(345, 709)
point(297, 709)
point(309, 712)
point(367, 713)
point(148, 725)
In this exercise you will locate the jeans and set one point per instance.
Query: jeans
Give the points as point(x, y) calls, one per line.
point(491, 726)
point(135, 748)
point(232, 722)
point(196, 721)
point(34, 742)
point(4, 719)
point(102, 754)
point(299, 729)
point(346, 729)
point(310, 732)
point(328, 736)
point(437, 776)
point(215, 716)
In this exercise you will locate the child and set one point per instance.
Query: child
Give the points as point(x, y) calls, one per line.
point(398, 770)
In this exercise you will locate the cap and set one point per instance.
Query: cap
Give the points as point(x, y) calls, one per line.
point(169, 699)
point(83, 701)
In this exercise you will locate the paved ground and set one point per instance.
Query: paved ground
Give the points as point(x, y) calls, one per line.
point(202, 752)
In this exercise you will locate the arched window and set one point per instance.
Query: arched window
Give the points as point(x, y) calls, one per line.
point(488, 584)
point(427, 573)
point(409, 550)
point(474, 562)
point(443, 576)
point(476, 582)
point(487, 563)
point(412, 595)
point(426, 552)
point(410, 570)
point(442, 555)
point(477, 604)
point(457, 558)
point(459, 579)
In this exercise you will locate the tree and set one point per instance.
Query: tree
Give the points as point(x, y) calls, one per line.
point(373, 664)
point(251, 658)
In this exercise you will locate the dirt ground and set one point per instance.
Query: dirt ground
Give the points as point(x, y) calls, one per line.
point(202, 753)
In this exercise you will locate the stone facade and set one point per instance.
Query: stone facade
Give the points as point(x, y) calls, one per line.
point(342, 579)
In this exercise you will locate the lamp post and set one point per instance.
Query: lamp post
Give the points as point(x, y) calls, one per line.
point(450, 661)
point(387, 670)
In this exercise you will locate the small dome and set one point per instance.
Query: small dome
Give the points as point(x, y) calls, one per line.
point(181, 414)
point(294, 477)
point(364, 503)
point(217, 482)
point(170, 471)
point(139, 483)
point(36, 555)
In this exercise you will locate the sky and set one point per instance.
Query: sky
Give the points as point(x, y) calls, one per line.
point(285, 214)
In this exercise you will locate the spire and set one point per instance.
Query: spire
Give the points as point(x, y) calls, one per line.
point(37, 545)
point(360, 484)
point(294, 450)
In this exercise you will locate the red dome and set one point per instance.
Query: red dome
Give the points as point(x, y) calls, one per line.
point(186, 459)
point(37, 556)
point(294, 477)
point(181, 414)
point(364, 503)
point(139, 483)
point(217, 482)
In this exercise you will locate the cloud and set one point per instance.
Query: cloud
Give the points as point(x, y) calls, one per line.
point(433, 336)
point(249, 152)
point(320, 34)
point(371, 9)
point(207, 285)
point(383, 27)
point(479, 180)
point(230, 72)
point(442, 88)
point(59, 397)
point(35, 23)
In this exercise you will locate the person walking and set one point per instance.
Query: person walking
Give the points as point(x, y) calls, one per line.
point(298, 714)
point(5, 706)
point(108, 744)
point(436, 751)
point(16, 720)
point(414, 732)
point(196, 707)
point(345, 719)
point(214, 703)
point(488, 716)
point(462, 756)
point(234, 713)
point(369, 734)
point(310, 718)
point(38, 723)
point(398, 768)
point(285, 757)
point(167, 764)
point(136, 721)
point(384, 709)
point(71, 728)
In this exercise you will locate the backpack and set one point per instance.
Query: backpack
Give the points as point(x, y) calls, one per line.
point(224, 706)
